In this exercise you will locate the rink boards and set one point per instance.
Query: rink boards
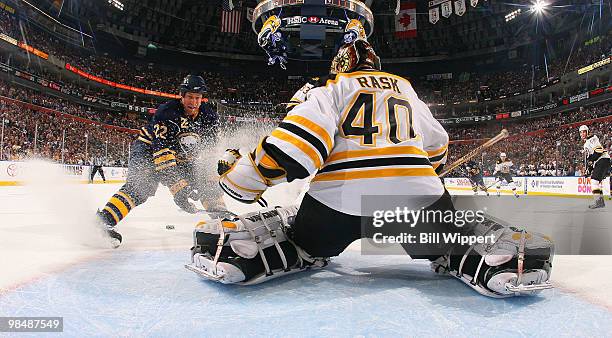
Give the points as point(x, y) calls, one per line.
point(17, 173)
point(538, 186)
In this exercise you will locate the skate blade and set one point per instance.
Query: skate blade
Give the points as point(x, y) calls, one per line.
point(522, 289)
point(203, 273)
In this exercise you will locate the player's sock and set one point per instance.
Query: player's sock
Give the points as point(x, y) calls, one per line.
point(117, 207)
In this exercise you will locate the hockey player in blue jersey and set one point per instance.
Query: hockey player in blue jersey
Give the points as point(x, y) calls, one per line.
point(165, 152)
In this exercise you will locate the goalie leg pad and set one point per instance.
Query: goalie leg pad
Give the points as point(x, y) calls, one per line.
point(249, 249)
point(517, 263)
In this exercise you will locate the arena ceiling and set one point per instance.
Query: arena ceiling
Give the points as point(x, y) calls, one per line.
point(194, 25)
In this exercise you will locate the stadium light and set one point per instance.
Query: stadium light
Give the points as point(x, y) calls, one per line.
point(116, 3)
point(539, 6)
point(512, 15)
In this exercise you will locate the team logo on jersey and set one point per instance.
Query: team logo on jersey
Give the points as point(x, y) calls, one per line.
point(189, 144)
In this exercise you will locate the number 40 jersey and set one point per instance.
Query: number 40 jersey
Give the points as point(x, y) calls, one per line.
point(363, 133)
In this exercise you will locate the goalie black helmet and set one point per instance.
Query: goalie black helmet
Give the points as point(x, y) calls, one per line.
point(193, 84)
point(357, 55)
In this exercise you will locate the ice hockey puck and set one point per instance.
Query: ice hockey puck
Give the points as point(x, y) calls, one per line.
point(169, 227)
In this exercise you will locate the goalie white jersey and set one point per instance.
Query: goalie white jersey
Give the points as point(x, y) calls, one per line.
point(363, 133)
point(503, 166)
point(593, 149)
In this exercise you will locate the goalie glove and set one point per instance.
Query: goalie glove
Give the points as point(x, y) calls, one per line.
point(242, 181)
point(226, 161)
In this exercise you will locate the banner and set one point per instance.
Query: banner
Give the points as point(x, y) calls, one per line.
point(298, 20)
point(406, 21)
point(434, 15)
point(595, 65)
point(447, 9)
point(16, 173)
point(460, 7)
point(442, 76)
point(579, 97)
point(474, 3)
point(117, 85)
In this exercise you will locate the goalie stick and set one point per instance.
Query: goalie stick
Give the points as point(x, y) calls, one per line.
point(502, 135)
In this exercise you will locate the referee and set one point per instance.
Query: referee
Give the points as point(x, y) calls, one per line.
point(98, 162)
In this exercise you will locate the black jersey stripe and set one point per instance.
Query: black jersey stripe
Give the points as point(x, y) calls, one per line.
point(377, 162)
point(437, 157)
point(308, 137)
point(271, 173)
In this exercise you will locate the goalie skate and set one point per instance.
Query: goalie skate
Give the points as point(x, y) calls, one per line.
point(517, 264)
point(249, 249)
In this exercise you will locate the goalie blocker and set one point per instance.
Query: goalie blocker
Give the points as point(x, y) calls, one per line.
point(255, 247)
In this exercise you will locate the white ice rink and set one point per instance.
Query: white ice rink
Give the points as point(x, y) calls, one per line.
point(53, 263)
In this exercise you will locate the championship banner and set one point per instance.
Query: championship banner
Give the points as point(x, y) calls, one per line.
point(474, 3)
point(434, 15)
point(447, 9)
point(406, 21)
point(460, 7)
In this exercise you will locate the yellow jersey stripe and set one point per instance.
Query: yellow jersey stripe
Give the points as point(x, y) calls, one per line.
point(317, 129)
point(164, 158)
point(438, 151)
point(146, 132)
point(140, 138)
point(403, 150)
point(376, 173)
point(304, 147)
point(165, 150)
point(164, 166)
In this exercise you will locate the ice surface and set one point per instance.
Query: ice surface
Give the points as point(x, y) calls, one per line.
point(53, 263)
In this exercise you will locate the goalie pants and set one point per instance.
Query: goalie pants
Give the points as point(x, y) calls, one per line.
point(324, 232)
point(601, 169)
point(504, 177)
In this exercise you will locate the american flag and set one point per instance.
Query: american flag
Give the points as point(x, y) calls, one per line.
point(231, 21)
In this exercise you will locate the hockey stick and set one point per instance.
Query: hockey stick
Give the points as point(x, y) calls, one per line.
point(494, 183)
point(502, 135)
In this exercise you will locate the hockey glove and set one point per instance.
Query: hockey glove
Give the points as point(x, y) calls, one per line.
point(243, 182)
point(226, 161)
point(182, 192)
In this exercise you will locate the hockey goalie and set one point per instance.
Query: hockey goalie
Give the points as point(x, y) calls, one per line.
point(361, 132)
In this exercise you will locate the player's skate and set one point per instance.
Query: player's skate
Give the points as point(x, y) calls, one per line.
point(598, 203)
point(114, 238)
point(249, 249)
point(517, 263)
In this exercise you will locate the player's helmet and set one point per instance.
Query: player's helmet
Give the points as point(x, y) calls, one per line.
point(502, 155)
point(193, 84)
point(583, 128)
point(354, 56)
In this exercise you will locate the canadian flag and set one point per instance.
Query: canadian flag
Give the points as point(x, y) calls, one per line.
point(406, 20)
